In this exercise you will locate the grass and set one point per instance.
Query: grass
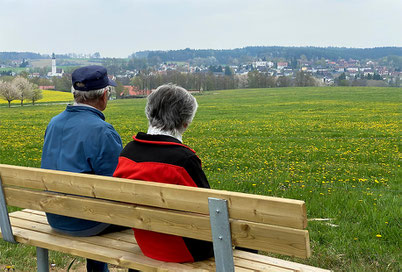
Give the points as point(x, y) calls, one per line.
point(336, 148)
point(14, 69)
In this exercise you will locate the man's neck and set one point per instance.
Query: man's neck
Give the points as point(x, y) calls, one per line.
point(90, 105)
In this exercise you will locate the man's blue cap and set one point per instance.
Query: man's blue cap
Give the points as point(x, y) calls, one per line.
point(93, 77)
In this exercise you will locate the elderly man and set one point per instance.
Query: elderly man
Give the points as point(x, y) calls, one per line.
point(160, 156)
point(79, 140)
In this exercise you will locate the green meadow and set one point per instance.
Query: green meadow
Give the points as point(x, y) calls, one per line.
point(337, 148)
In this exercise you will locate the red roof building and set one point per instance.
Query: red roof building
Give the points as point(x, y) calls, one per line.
point(133, 91)
point(46, 87)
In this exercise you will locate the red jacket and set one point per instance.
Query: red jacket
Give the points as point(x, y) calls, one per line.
point(164, 159)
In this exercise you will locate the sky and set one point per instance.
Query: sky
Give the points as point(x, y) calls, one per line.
point(118, 28)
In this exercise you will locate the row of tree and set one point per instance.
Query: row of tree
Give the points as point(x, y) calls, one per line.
point(209, 81)
point(19, 89)
point(190, 81)
point(372, 80)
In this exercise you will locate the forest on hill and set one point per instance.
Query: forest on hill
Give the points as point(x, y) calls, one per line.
point(226, 56)
point(273, 52)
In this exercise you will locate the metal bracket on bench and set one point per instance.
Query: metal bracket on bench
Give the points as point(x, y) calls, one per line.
point(5, 225)
point(221, 236)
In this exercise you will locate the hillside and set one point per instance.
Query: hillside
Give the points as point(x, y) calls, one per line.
point(272, 52)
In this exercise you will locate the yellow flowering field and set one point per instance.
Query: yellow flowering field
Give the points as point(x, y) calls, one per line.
point(337, 148)
point(48, 97)
point(56, 96)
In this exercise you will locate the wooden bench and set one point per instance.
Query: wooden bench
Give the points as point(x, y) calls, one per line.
point(264, 223)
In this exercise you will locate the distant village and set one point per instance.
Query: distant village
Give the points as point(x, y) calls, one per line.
point(353, 69)
point(321, 72)
point(326, 73)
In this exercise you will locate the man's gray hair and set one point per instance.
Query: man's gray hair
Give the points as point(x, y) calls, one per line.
point(170, 107)
point(85, 96)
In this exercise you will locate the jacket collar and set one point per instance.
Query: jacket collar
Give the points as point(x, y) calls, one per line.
point(79, 108)
point(159, 140)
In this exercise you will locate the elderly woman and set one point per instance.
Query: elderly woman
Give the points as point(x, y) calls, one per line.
point(160, 156)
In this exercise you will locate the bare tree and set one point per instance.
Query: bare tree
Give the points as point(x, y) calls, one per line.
point(24, 86)
point(36, 95)
point(284, 81)
point(9, 92)
point(304, 79)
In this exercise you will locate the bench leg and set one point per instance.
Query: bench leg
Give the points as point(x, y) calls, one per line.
point(5, 225)
point(42, 259)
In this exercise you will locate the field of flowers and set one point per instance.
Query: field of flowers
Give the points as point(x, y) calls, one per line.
point(48, 97)
point(336, 148)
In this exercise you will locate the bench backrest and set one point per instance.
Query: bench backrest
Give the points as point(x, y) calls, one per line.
point(258, 222)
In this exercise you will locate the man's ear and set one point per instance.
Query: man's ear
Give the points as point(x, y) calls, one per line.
point(105, 97)
point(102, 102)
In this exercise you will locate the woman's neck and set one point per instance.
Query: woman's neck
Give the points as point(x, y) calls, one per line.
point(157, 131)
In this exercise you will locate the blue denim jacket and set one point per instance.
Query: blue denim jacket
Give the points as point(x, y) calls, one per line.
point(79, 140)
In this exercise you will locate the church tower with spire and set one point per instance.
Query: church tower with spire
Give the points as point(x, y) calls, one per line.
point(54, 70)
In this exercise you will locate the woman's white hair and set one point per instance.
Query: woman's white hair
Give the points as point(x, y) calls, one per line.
point(170, 108)
point(85, 96)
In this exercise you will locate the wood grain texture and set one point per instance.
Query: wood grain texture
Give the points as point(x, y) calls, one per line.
point(256, 208)
point(277, 239)
point(276, 262)
point(77, 247)
point(29, 222)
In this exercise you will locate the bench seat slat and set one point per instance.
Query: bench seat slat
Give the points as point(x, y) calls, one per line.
point(31, 227)
point(277, 262)
point(96, 240)
point(260, 266)
point(264, 237)
point(73, 246)
point(269, 210)
point(126, 236)
point(40, 217)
